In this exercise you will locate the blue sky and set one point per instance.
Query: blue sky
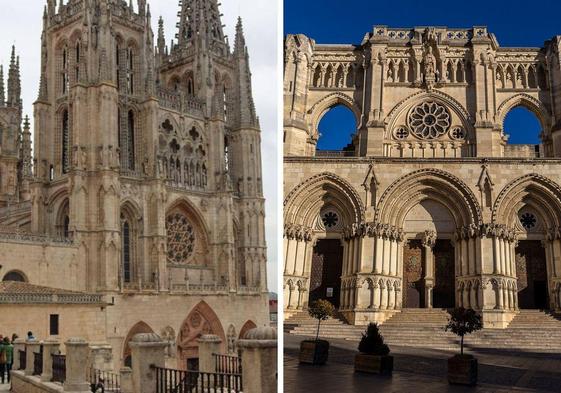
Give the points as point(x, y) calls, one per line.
point(515, 23)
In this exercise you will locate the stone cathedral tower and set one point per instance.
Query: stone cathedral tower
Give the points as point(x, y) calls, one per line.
point(147, 171)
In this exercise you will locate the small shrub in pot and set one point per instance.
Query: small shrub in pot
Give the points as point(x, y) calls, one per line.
point(374, 353)
point(317, 351)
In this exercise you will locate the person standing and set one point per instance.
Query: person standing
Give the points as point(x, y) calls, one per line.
point(9, 349)
point(3, 359)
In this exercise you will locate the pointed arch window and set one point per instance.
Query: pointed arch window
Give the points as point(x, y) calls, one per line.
point(64, 76)
point(65, 132)
point(130, 70)
point(65, 227)
point(190, 87)
point(126, 251)
point(78, 58)
point(130, 141)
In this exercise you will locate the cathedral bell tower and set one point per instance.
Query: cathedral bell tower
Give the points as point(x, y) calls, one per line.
point(97, 68)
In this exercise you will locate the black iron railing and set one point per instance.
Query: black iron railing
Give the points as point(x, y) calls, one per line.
point(59, 368)
point(227, 364)
point(37, 363)
point(22, 359)
point(181, 381)
point(104, 381)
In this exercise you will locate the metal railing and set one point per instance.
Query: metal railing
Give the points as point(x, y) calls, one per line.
point(227, 364)
point(181, 381)
point(22, 359)
point(59, 368)
point(104, 381)
point(37, 363)
point(335, 153)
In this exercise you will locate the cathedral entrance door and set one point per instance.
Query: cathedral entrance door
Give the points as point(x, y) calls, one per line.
point(327, 266)
point(443, 293)
point(413, 273)
point(532, 275)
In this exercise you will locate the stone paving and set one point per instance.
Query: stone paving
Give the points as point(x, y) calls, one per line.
point(420, 370)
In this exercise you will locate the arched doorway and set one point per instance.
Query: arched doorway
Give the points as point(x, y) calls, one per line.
point(138, 328)
point(531, 268)
point(327, 265)
point(429, 257)
point(200, 321)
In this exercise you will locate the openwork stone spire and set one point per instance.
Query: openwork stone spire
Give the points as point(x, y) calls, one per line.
point(2, 91)
point(199, 19)
point(246, 116)
point(14, 87)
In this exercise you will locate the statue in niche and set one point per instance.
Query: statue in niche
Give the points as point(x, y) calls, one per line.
point(430, 68)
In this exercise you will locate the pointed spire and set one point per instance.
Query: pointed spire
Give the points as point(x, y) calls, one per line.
point(26, 148)
point(2, 92)
point(14, 88)
point(245, 116)
point(161, 37)
point(199, 19)
point(239, 44)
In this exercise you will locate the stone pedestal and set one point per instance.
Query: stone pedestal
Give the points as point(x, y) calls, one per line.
point(126, 380)
point(31, 347)
point(259, 360)
point(147, 349)
point(77, 352)
point(101, 357)
point(50, 347)
point(19, 345)
point(208, 345)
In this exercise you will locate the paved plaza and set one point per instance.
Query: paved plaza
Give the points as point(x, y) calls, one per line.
point(420, 370)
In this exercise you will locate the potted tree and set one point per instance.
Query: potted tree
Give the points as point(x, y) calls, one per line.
point(316, 351)
point(374, 355)
point(462, 369)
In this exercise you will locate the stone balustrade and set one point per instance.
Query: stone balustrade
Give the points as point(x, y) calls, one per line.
point(258, 357)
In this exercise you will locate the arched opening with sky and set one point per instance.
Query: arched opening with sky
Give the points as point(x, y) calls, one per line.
point(522, 127)
point(336, 128)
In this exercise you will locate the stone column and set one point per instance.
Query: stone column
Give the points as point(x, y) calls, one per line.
point(126, 380)
point(50, 347)
point(259, 360)
point(208, 345)
point(429, 241)
point(19, 345)
point(147, 349)
point(77, 352)
point(31, 346)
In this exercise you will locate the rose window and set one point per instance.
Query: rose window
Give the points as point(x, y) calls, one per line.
point(330, 219)
point(180, 238)
point(429, 120)
point(528, 220)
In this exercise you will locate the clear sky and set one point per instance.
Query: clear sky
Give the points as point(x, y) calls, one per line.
point(514, 22)
point(20, 24)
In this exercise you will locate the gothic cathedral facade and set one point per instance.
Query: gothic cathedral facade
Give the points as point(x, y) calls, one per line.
point(428, 205)
point(143, 195)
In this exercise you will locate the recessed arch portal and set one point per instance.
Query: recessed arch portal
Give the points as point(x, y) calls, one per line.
point(138, 328)
point(201, 320)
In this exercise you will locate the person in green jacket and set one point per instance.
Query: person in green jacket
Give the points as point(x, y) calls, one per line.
point(6, 359)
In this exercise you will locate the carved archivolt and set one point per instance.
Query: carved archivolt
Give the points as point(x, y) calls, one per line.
point(544, 192)
point(307, 196)
point(429, 184)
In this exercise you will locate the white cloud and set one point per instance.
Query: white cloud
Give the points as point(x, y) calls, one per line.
point(21, 23)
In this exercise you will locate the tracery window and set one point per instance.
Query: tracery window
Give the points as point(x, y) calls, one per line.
point(429, 120)
point(528, 220)
point(180, 239)
point(130, 70)
point(64, 71)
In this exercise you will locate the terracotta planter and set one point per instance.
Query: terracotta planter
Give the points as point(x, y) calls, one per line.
point(462, 370)
point(374, 364)
point(314, 352)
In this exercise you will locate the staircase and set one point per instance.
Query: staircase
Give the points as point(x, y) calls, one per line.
point(530, 330)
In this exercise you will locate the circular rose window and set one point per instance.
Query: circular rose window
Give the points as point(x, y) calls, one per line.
point(429, 120)
point(180, 238)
